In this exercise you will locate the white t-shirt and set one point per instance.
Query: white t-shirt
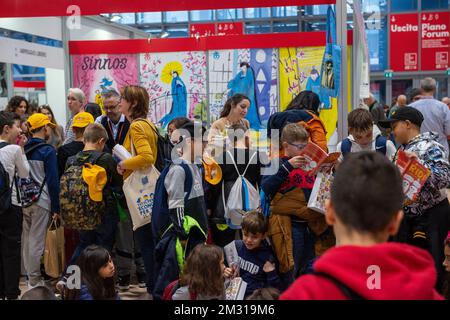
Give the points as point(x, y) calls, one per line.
point(14, 160)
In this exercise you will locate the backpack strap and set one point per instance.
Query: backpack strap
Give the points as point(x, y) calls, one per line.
point(349, 293)
point(3, 144)
point(235, 165)
point(381, 144)
point(346, 146)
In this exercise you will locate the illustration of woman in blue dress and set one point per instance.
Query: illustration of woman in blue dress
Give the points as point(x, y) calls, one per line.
point(179, 100)
point(244, 83)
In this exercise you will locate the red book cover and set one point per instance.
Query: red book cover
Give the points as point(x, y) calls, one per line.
point(317, 159)
point(414, 175)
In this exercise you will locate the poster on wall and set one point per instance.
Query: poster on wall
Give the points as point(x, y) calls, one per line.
point(176, 83)
point(435, 44)
point(299, 69)
point(96, 73)
point(251, 72)
point(404, 30)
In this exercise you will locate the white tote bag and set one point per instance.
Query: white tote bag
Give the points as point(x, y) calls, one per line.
point(320, 192)
point(139, 190)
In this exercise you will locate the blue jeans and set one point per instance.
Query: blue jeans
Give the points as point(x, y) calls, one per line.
point(303, 241)
point(144, 236)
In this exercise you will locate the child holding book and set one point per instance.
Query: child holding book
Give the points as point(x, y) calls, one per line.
point(427, 217)
point(363, 265)
point(256, 262)
point(294, 230)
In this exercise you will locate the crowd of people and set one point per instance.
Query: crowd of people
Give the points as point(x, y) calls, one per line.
point(216, 191)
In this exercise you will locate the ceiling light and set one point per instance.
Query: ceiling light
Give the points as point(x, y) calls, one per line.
point(115, 18)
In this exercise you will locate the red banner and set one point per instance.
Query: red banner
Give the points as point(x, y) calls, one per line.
point(202, 29)
point(28, 8)
point(246, 41)
point(435, 36)
point(404, 42)
point(227, 28)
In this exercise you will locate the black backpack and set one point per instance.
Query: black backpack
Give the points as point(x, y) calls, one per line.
point(164, 148)
point(5, 186)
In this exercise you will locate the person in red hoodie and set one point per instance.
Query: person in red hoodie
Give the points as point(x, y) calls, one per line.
point(364, 210)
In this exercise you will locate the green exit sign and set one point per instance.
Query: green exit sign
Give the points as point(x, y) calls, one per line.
point(388, 74)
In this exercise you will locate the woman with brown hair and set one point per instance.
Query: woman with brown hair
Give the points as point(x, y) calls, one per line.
point(141, 142)
point(19, 105)
point(57, 136)
point(233, 112)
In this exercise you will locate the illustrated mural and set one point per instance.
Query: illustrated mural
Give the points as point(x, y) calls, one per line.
point(176, 83)
point(95, 73)
point(250, 72)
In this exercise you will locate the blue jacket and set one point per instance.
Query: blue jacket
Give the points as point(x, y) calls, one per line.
point(43, 163)
point(251, 263)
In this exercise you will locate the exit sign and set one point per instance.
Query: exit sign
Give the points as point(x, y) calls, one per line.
point(388, 74)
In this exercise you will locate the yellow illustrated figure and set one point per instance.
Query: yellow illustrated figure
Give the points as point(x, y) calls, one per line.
point(99, 101)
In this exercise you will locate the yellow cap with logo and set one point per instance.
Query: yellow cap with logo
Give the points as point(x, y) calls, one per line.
point(95, 177)
point(38, 120)
point(82, 120)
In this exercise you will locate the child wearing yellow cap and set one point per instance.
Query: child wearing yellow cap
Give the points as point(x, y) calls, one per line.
point(40, 207)
point(79, 124)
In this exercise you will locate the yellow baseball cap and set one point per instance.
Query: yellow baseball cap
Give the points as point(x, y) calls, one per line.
point(95, 177)
point(82, 120)
point(38, 120)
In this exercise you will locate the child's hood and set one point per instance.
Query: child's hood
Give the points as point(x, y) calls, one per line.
point(385, 271)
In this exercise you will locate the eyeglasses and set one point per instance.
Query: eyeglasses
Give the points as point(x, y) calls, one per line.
point(300, 146)
point(112, 108)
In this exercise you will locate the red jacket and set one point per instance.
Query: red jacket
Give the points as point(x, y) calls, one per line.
point(406, 273)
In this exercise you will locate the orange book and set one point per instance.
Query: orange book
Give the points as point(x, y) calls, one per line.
point(318, 160)
point(414, 175)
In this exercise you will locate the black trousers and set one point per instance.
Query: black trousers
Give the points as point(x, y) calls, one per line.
point(429, 232)
point(10, 246)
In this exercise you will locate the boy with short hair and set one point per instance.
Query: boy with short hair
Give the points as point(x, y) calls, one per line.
point(44, 171)
point(364, 214)
point(297, 233)
point(95, 137)
point(179, 213)
point(13, 160)
point(256, 260)
point(427, 219)
point(364, 136)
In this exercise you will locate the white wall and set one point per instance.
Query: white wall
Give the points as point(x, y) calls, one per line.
point(93, 30)
point(49, 27)
point(56, 95)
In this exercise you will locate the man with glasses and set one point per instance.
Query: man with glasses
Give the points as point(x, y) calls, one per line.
point(114, 122)
point(117, 126)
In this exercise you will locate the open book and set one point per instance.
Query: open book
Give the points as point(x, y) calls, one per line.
point(414, 175)
point(318, 160)
point(236, 287)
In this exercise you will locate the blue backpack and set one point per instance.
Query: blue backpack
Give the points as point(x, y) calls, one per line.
point(380, 145)
point(160, 211)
